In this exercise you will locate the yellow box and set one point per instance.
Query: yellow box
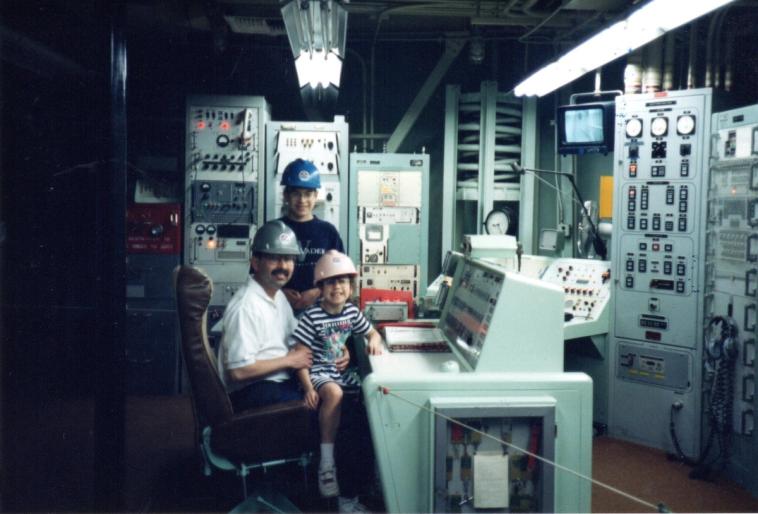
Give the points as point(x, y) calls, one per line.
point(605, 202)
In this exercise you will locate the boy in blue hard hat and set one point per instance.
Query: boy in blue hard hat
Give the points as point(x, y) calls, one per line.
point(301, 182)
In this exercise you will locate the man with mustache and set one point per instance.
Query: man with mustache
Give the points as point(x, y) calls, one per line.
point(254, 357)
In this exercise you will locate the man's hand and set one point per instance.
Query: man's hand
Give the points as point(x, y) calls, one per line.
point(300, 358)
point(311, 399)
point(292, 296)
point(341, 362)
point(306, 298)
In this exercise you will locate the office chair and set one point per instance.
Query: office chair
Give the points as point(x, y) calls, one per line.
point(240, 441)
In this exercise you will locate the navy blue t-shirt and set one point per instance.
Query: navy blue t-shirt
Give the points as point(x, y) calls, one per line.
point(316, 237)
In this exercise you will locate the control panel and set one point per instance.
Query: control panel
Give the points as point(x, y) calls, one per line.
point(732, 272)
point(661, 152)
point(325, 145)
point(585, 283)
point(223, 140)
point(223, 202)
point(395, 277)
point(489, 319)
point(660, 181)
point(389, 215)
point(223, 195)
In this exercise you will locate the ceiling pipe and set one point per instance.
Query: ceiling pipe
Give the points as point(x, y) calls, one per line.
point(544, 20)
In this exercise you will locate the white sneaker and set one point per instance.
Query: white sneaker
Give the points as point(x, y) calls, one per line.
point(351, 505)
point(327, 482)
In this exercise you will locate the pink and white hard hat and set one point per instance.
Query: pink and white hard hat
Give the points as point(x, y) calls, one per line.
point(333, 264)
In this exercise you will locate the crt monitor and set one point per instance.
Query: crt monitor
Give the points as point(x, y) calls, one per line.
point(586, 128)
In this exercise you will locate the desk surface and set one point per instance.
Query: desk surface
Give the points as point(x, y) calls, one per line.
point(408, 363)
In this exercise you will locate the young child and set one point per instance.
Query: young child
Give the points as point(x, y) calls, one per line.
point(324, 328)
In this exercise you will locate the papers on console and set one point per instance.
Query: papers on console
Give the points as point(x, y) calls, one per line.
point(403, 338)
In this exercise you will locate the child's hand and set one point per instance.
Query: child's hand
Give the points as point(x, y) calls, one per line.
point(311, 399)
point(343, 360)
point(374, 347)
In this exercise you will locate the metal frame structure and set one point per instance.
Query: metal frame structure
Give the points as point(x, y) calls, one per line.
point(500, 116)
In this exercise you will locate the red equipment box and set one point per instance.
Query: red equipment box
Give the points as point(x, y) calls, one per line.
point(154, 228)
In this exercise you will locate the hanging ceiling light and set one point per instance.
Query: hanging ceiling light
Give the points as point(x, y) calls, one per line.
point(317, 30)
point(644, 25)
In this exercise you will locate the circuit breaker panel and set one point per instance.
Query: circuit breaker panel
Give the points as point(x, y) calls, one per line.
point(389, 220)
point(476, 467)
point(732, 287)
point(325, 145)
point(660, 177)
point(224, 160)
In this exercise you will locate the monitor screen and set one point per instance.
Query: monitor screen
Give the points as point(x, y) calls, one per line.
point(584, 125)
point(586, 128)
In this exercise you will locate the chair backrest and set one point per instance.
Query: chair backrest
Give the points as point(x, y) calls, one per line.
point(193, 294)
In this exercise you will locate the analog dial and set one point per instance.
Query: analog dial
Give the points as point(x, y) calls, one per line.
point(633, 127)
point(685, 125)
point(497, 222)
point(659, 126)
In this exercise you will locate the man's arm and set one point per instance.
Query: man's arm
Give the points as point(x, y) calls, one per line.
point(303, 375)
point(299, 358)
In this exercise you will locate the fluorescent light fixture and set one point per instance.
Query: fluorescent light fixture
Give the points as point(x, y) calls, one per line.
point(317, 30)
point(641, 27)
point(318, 68)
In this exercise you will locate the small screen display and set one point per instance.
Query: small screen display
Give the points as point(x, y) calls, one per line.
point(583, 126)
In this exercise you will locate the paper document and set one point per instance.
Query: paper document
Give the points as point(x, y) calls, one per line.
point(400, 338)
point(491, 486)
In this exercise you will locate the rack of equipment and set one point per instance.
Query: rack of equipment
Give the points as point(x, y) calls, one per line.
point(224, 163)
point(389, 225)
point(325, 145)
point(732, 293)
point(660, 177)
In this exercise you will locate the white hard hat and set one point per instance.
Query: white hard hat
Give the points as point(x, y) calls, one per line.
point(333, 264)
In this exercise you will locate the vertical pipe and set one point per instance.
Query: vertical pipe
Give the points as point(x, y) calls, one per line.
point(692, 81)
point(110, 301)
point(668, 61)
point(633, 74)
point(372, 78)
point(729, 60)
point(652, 80)
point(717, 40)
point(709, 66)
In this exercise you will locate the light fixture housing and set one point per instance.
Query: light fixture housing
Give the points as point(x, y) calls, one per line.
point(317, 30)
point(647, 23)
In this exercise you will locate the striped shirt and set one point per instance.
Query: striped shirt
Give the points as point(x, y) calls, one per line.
point(326, 334)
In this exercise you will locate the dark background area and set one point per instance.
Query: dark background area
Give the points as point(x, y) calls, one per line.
point(68, 130)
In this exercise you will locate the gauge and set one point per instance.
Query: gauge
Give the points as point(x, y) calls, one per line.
point(685, 125)
point(200, 229)
point(211, 229)
point(222, 140)
point(633, 127)
point(497, 222)
point(659, 126)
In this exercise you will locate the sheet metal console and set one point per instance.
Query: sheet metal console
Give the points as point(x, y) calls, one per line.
point(503, 376)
